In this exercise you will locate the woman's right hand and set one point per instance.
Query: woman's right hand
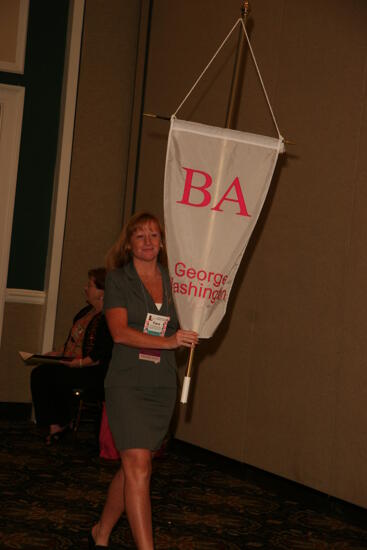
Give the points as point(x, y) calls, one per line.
point(187, 338)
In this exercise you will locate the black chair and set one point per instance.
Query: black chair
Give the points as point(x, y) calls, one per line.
point(86, 407)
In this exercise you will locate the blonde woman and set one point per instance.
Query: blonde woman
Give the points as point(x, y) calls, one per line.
point(141, 384)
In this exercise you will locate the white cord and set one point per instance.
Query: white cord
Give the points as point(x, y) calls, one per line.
point(239, 21)
point(207, 67)
point(260, 78)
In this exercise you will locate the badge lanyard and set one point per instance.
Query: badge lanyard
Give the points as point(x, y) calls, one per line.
point(155, 325)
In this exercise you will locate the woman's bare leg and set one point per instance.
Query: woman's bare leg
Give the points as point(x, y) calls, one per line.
point(137, 465)
point(112, 511)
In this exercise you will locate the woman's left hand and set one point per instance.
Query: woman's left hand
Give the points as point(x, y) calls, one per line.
point(187, 338)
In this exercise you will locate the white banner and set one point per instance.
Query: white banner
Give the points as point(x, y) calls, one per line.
point(216, 181)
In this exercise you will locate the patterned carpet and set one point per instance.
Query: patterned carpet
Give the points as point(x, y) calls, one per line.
point(50, 497)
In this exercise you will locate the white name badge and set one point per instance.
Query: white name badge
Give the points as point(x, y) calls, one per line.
point(156, 326)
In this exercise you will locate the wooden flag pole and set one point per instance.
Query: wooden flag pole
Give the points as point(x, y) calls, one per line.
point(233, 96)
point(229, 122)
point(187, 379)
point(235, 84)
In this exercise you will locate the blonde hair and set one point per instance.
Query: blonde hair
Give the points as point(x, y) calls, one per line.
point(120, 252)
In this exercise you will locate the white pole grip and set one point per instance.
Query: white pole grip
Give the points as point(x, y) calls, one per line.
point(185, 389)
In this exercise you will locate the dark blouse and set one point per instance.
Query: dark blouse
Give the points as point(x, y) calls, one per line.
point(124, 289)
point(97, 341)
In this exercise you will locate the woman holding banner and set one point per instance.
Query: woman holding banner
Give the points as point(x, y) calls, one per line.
point(141, 384)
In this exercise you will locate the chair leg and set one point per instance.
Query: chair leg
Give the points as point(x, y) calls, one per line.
point(78, 416)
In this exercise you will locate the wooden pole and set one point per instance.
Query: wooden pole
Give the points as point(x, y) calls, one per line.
point(229, 121)
point(187, 379)
point(235, 85)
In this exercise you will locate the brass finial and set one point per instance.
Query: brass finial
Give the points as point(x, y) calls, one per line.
point(245, 9)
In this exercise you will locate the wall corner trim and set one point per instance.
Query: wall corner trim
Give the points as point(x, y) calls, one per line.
point(23, 296)
point(63, 167)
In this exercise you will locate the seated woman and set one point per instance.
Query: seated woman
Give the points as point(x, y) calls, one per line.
point(90, 345)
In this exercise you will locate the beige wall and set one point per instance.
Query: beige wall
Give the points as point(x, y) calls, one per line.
point(282, 384)
point(97, 183)
point(9, 10)
point(22, 331)
point(100, 149)
point(22, 323)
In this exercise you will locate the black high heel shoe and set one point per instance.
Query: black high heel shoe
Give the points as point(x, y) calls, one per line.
point(92, 545)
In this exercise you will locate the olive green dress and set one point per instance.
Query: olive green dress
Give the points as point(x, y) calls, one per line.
point(140, 394)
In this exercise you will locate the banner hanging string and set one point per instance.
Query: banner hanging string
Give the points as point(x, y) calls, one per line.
point(239, 21)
